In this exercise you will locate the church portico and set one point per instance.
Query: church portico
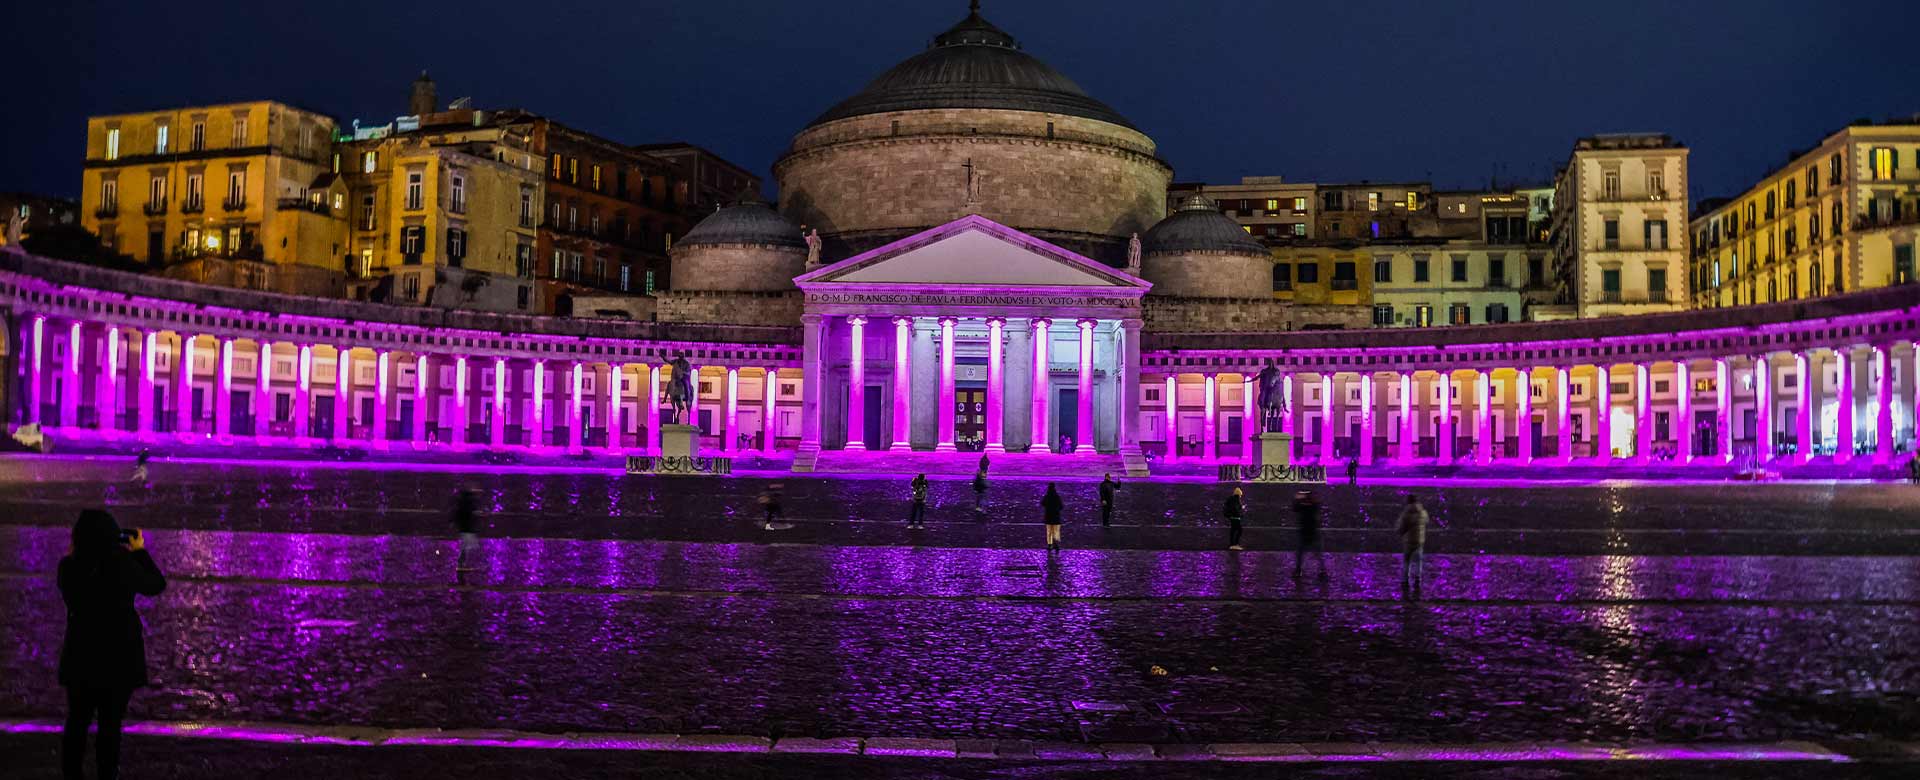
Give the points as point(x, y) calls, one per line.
point(998, 342)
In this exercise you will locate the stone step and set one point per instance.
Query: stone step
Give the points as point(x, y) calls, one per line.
point(806, 458)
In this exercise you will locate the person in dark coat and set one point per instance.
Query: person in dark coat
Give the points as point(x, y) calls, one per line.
point(917, 515)
point(104, 656)
point(983, 463)
point(979, 487)
point(1107, 486)
point(465, 509)
point(1233, 510)
point(1306, 513)
point(1050, 506)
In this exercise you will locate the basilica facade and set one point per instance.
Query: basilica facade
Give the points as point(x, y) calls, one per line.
point(968, 255)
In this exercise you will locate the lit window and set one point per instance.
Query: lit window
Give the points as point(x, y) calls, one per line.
point(369, 161)
point(1299, 204)
point(415, 190)
point(1273, 204)
point(113, 143)
point(596, 178)
point(239, 131)
point(198, 138)
point(1413, 201)
point(1300, 229)
point(109, 194)
point(1657, 185)
point(1884, 160)
point(160, 139)
point(1373, 201)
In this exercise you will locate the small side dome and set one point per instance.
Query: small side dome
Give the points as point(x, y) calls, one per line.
point(746, 247)
point(1198, 226)
point(748, 221)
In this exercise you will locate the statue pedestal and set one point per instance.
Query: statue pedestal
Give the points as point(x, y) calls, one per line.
point(1276, 449)
point(679, 454)
point(678, 441)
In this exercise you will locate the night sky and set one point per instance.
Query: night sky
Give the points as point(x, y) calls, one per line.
point(1313, 91)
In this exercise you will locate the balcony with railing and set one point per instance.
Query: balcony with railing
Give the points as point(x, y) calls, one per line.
point(107, 211)
point(193, 205)
point(1344, 284)
point(234, 203)
point(1611, 296)
point(1908, 216)
point(304, 204)
point(155, 208)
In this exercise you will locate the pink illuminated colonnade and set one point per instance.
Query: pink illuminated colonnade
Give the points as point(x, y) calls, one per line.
point(1681, 376)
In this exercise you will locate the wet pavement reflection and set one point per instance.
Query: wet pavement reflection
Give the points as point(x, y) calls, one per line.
point(604, 603)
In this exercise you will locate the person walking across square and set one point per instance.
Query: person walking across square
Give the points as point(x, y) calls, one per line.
point(1050, 506)
point(1233, 511)
point(917, 516)
point(464, 521)
point(1306, 513)
point(1413, 536)
point(1107, 486)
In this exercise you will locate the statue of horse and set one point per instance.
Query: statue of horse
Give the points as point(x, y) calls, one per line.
point(680, 389)
point(1273, 398)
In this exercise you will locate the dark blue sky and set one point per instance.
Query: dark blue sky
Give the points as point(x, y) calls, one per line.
point(1327, 91)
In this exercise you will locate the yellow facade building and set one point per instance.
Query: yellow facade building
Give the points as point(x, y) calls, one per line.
point(1337, 274)
point(443, 212)
point(230, 194)
point(1840, 217)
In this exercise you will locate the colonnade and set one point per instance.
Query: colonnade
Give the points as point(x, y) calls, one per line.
point(1019, 381)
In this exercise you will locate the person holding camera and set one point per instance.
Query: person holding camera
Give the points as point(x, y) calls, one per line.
point(104, 656)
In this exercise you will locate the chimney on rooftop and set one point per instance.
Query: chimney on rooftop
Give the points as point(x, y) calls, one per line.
point(421, 99)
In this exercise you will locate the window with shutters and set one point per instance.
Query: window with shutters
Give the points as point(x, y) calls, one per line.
point(1883, 161)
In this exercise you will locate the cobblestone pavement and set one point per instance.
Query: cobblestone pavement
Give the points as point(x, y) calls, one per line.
point(613, 604)
point(810, 665)
point(1732, 518)
point(645, 567)
point(170, 759)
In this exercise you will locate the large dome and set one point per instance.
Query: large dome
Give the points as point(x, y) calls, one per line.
point(973, 65)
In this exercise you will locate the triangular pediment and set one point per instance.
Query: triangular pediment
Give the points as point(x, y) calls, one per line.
point(972, 251)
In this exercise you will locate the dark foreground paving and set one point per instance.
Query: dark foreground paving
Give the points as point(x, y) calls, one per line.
point(1637, 519)
point(172, 759)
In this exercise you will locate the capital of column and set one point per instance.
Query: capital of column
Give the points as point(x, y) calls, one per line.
point(997, 322)
point(1086, 323)
point(903, 322)
point(948, 322)
point(812, 319)
point(1040, 323)
point(857, 320)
